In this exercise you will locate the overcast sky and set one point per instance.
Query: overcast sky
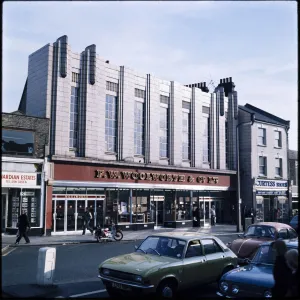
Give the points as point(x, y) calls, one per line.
point(255, 43)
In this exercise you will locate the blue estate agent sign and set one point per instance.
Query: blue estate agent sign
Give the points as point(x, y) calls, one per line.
point(271, 183)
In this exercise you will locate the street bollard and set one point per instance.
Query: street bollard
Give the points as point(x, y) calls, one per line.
point(46, 266)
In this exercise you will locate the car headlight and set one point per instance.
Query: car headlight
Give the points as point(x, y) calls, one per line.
point(235, 289)
point(267, 294)
point(105, 271)
point(138, 278)
point(224, 286)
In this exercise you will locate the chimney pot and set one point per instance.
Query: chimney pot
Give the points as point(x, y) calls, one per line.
point(220, 81)
point(107, 61)
point(230, 79)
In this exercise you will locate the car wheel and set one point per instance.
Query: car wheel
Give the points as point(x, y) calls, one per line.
point(167, 289)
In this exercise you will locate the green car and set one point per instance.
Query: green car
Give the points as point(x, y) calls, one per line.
point(167, 263)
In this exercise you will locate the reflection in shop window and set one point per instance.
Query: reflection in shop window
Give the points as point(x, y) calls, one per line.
point(124, 207)
point(259, 209)
point(170, 206)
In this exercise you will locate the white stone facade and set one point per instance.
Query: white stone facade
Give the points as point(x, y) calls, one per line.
point(48, 95)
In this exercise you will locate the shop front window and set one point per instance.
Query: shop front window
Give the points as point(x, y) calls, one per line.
point(95, 202)
point(111, 213)
point(141, 209)
point(259, 209)
point(124, 207)
point(183, 205)
point(29, 200)
point(170, 205)
point(282, 209)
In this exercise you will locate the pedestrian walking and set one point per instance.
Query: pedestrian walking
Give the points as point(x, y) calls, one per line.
point(291, 257)
point(213, 216)
point(281, 272)
point(87, 219)
point(23, 226)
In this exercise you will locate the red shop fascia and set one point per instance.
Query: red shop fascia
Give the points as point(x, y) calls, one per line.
point(134, 176)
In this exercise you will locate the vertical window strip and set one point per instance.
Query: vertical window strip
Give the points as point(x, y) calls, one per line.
point(163, 138)
point(139, 128)
point(73, 138)
point(226, 144)
point(110, 123)
point(278, 139)
point(75, 77)
point(185, 135)
point(205, 139)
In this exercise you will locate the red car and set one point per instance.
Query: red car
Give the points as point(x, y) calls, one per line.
point(247, 244)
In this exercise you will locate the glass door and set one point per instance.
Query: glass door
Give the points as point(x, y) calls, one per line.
point(80, 205)
point(59, 215)
point(99, 213)
point(207, 206)
point(71, 210)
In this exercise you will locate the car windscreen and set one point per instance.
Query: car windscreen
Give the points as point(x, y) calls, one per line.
point(266, 254)
point(163, 246)
point(260, 231)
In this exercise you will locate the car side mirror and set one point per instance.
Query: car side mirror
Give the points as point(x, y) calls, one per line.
point(135, 247)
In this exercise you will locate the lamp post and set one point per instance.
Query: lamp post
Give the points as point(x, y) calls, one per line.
point(239, 200)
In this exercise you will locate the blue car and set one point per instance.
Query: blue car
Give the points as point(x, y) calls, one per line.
point(255, 279)
point(294, 223)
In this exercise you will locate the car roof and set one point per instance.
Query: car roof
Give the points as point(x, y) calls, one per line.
point(289, 243)
point(274, 224)
point(187, 236)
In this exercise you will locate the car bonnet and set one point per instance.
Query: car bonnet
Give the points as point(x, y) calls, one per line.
point(258, 275)
point(136, 263)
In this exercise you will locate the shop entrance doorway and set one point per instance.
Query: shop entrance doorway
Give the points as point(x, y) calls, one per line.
point(68, 214)
point(158, 205)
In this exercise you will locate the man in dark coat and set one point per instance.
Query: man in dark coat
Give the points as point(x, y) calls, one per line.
point(87, 219)
point(22, 225)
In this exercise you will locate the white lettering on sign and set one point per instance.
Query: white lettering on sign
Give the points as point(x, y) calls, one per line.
point(16, 179)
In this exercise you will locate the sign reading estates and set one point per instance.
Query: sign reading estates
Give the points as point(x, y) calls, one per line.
point(16, 179)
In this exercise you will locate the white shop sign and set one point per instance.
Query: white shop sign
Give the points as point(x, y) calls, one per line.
point(18, 179)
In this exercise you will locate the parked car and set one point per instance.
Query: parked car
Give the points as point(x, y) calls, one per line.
point(164, 264)
point(294, 223)
point(256, 279)
point(247, 244)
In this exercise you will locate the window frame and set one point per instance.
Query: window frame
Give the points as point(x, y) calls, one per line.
point(111, 118)
point(279, 159)
point(278, 142)
point(189, 244)
point(264, 137)
point(281, 230)
point(139, 130)
point(218, 248)
point(74, 132)
point(265, 166)
point(163, 133)
point(186, 136)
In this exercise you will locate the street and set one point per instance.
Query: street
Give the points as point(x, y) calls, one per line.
point(76, 268)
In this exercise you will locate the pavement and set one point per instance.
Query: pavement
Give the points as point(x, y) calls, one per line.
point(9, 240)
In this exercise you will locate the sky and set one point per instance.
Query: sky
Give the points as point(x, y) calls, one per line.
point(255, 43)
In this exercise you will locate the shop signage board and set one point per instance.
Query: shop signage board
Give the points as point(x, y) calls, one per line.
point(271, 183)
point(18, 179)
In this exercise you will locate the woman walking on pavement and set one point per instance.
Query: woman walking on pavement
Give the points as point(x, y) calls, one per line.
point(23, 225)
point(213, 215)
point(87, 218)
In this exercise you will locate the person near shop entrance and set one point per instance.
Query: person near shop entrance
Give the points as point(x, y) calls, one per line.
point(23, 225)
point(87, 219)
point(213, 215)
